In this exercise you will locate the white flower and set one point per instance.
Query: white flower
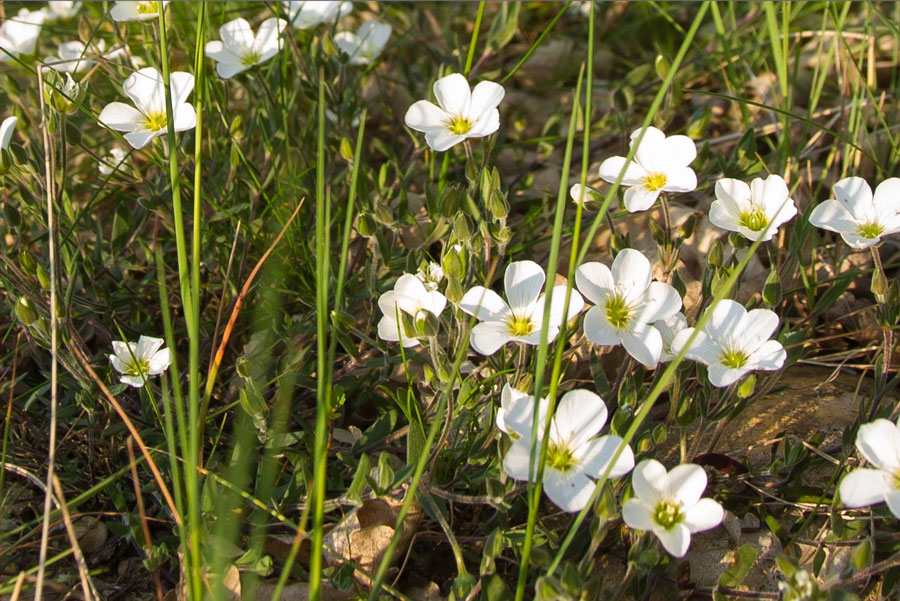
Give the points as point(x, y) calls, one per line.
point(660, 165)
point(148, 120)
point(579, 195)
point(879, 443)
point(754, 210)
point(411, 299)
point(72, 56)
point(668, 329)
point(132, 10)
point(7, 128)
point(240, 49)
point(734, 342)
point(19, 34)
point(521, 319)
point(304, 15)
point(366, 44)
point(462, 113)
point(860, 218)
point(431, 275)
point(113, 161)
point(136, 362)
point(626, 303)
point(669, 504)
point(61, 9)
point(574, 452)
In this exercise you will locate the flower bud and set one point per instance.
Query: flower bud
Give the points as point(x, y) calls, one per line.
point(427, 324)
point(43, 277)
point(366, 225)
point(27, 261)
point(454, 262)
point(25, 311)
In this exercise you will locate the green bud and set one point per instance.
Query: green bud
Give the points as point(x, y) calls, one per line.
point(662, 66)
point(342, 321)
point(27, 261)
point(25, 311)
point(461, 228)
point(716, 255)
point(454, 262)
point(346, 150)
point(43, 277)
point(745, 388)
point(366, 225)
point(12, 215)
point(772, 288)
point(879, 283)
point(236, 129)
point(427, 324)
point(449, 199)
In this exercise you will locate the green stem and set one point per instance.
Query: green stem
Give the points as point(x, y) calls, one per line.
point(537, 42)
point(473, 42)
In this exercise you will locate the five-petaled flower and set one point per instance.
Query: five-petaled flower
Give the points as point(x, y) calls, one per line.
point(669, 329)
point(669, 504)
point(660, 165)
point(521, 318)
point(460, 113)
point(879, 443)
point(413, 304)
point(575, 453)
point(136, 10)
point(304, 15)
point(366, 44)
point(626, 303)
point(755, 211)
point(148, 120)
point(734, 342)
point(240, 49)
point(859, 217)
point(138, 361)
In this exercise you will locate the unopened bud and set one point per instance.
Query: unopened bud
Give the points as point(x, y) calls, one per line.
point(427, 324)
point(25, 311)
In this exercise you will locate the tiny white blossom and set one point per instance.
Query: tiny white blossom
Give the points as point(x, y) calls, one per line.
point(431, 275)
point(661, 164)
point(148, 120)
point(579, 195)
point(136, 10)
point(734, 342)
point(7, 129)
point(755, 211)
point(114, 161)
point(305, 15)
point(240, 49)
point(879, 443)
point(460, 113)
point(519, 320)
point(669, 504)
point(19, 34)
point(73, 57)
point(366, 44)
point(668, 329)
point(575, 454)
point(61, 10)
point(409, 299)
point(859, 217)
point(138, 361)
point(626, 303)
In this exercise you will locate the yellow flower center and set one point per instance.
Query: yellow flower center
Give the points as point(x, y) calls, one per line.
point(561, 458)
point(155, 121)
point(654, 181)
point(668, 514)
point(250, 58)
point(520, 326)
point(754, 220)
point(137, 368)
point(459, 125)
point(618, 313)
point(147, 8)
point(734, 359)
point(897, 479)
point(870, 230)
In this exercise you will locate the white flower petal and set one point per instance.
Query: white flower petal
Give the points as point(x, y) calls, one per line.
point(442, 139)
point(426, 116)
point(651, 154)
point(595, 281)
point(268, 35)
point(887, 197)
point(580, 416)
point(681, 152)
point(644, 343)
point(523, 282)
point(681, 179)
point(864, 486)
point(557, 302)
point(893, 502)
point(139, 139)
point(612, 167)
point(515, 463)
point(704, 515)
point(676, 541)
point(595, 456)
point(686, 482)
point(721, 376)
point(879, 443)
point(121, 117)
point(597, 327)
point(755, 328)
point(638, 515)
point(485, 96)
point(146, 90)
point(770, 356)
point(649, 481)
point(834, 216)
point(237, 34)
point(159, 362)
point(570, 491)
point(148, 345)
point(453, 94)
point(661, 301)
point(638, 198)
point(228, 69)
point(484, 304)
point(185, 118)
point(631, 272)
point(486, 124)
point(856, 195)
point(7, 128)
point(726, 317)
point(488, 336)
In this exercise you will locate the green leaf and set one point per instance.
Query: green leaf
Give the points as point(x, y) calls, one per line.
point(744, 559)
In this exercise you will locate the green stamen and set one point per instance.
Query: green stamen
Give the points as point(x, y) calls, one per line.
point(668, 514)
point(618, 314)
point(754, 220)
point(561, 458)
point(250, 58)
point(655, 181)
point(734, 359)
point(155, 121)
point(147, 8)
point(459, 125)
point(870, 230)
